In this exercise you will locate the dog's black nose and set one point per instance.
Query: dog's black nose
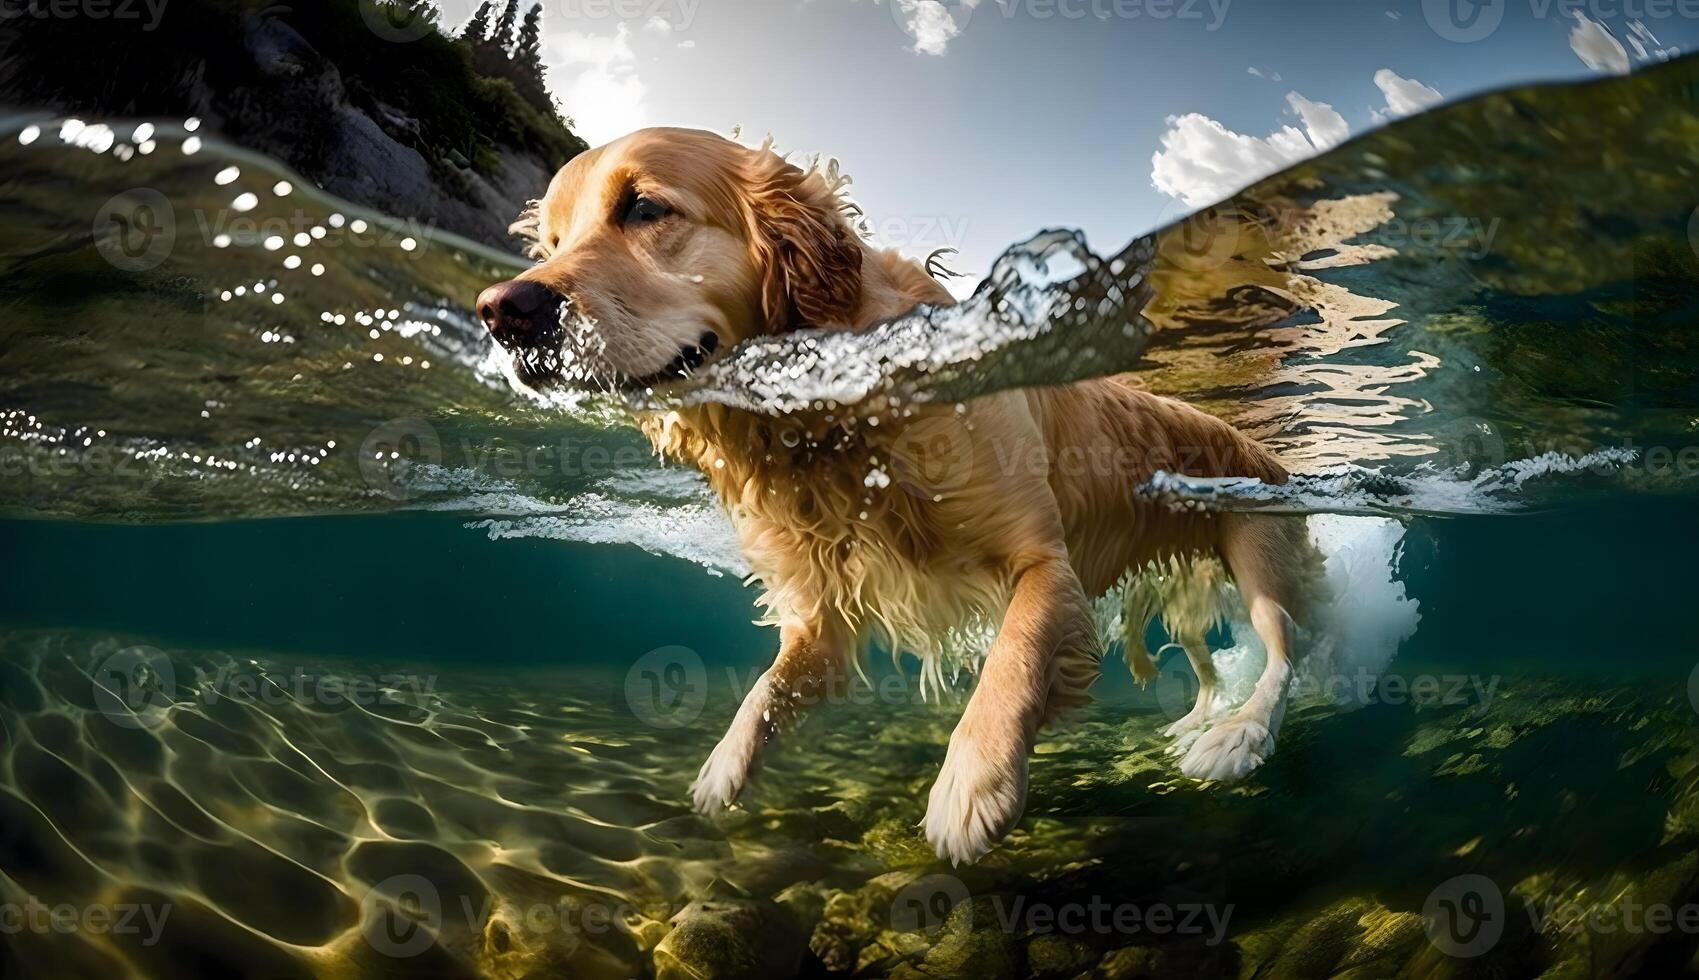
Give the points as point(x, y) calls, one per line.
point(519, 313)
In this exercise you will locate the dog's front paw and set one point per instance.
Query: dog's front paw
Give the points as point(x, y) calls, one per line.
point(979, 796)
point(1229, 751)
point(726, 772)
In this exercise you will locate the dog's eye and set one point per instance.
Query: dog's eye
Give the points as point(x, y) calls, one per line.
point(645, 210)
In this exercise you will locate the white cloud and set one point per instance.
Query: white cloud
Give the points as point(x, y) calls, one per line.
point(1646, 45)
point(1326, 127)
point(687, 45)
point(1403, 95)
point(658, 24)
point(1270, 75)
point(930, 23)
point(1596, 47)
point(604, 97)
point(1202, 161)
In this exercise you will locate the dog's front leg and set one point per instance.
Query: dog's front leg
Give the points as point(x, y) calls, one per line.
point(1042, 660)
point(809, 657)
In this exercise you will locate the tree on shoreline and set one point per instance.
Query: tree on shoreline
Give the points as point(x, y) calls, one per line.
point(506, 48)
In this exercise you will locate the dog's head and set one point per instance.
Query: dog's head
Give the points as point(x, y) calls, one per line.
point(661, 248)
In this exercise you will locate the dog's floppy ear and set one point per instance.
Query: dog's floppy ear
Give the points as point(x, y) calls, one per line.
point(810, 259)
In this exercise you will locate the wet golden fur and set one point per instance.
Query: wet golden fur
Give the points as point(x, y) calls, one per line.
point(903, 524)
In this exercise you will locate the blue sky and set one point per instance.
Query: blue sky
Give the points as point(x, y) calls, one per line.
point(974, 124)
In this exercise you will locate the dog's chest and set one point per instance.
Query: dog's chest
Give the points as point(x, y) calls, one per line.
point(866, 551)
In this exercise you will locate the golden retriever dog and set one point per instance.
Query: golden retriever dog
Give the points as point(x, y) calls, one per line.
point(662, 250)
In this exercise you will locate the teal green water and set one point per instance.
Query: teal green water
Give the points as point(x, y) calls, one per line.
point(1600, 591)
point(336, 658)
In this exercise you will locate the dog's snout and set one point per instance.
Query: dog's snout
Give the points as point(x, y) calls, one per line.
point(519, 313)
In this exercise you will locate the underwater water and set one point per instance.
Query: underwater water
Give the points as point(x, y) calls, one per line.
point(324, 653)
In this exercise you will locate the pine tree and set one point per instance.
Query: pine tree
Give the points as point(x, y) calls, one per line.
point(528, 61)
point(528, 51)
point(502, 36)
point(478, 28)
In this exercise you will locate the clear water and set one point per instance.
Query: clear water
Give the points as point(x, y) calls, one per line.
point(462, 673)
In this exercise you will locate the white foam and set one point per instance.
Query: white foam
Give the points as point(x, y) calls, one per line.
point(1360, 490)
point(699, 533)
point(1356, 634)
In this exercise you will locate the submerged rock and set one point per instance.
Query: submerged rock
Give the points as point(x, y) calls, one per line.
point(730, 940)
point(1057, 957)
point(974, 943)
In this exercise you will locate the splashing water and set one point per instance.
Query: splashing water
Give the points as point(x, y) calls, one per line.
point(196, 333)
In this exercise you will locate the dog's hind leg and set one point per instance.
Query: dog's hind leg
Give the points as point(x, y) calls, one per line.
point(809, 659)
point(1267, 557)
point(1042, 660)
point(1203, 665)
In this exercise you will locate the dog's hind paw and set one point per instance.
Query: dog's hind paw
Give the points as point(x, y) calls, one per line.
point(1190, 724)
point(1229, 751)
point(724, 775)
point(978, 798)
point(1183, 743)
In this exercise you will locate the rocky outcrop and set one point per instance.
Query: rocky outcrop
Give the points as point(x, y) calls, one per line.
point(372, 154)
point(411, 128)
